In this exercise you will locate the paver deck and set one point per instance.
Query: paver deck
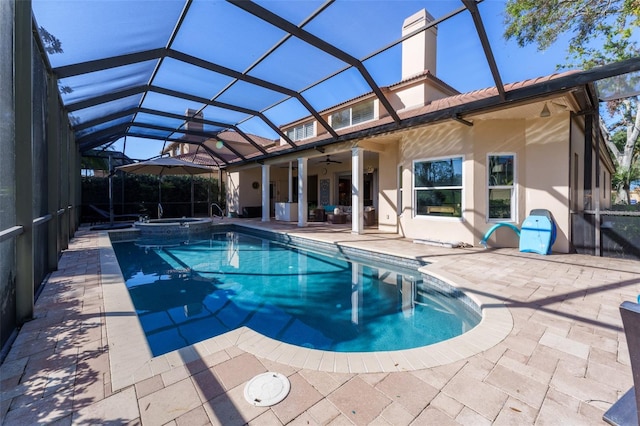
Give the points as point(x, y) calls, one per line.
point(552, 351)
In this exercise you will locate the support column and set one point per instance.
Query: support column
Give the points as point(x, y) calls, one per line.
point(587, 185)
point(356, 292)
point(596, 192)
point(302, 192)
point(76, 188)
point(357, 203)
point(266, 217)
point(53, 177)
point(64, 183)
point(23, 86)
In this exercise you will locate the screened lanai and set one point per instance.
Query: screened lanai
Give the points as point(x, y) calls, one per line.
point(136, 76)
point(128, 73)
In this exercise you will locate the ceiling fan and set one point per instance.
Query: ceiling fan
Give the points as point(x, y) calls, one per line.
point(328, 161)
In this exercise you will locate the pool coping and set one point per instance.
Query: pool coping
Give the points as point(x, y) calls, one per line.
point(131, 360)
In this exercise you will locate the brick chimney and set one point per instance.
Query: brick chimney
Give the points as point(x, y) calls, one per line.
point(191, 126)
point(419, 51)
point(194, 126)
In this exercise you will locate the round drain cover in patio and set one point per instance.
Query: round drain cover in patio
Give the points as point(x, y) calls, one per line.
point(267, 389)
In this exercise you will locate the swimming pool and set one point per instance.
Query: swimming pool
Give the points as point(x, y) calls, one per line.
point(190, 292)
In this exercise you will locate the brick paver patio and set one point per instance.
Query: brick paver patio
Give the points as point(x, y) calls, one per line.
point(564, 359)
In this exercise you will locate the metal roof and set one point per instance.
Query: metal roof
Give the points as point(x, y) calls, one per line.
point(244, 69)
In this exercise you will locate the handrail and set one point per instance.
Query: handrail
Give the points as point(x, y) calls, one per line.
point(14, 231)
point(615, 212)
point(42, 219)
point(61, 211)
point(219, 209)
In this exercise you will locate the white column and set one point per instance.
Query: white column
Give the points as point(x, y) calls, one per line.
point(357, 203)
point(408, 286)
point(265, 192)
point(302, 192)
point(356, 291)
point(303, 279)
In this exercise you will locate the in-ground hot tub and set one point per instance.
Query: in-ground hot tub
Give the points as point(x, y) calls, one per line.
point(173, 227)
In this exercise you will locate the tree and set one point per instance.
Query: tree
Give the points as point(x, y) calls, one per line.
point(52, 45)
point(602, 31)
point(50, 42)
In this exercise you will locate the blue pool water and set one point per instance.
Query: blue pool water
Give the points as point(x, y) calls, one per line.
point(187, 293)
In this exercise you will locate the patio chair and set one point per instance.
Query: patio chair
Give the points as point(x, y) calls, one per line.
point(104, 215)
point(625, 411)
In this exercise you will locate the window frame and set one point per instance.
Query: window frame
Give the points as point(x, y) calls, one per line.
point(513, 187)
point(350, 109)
point(415, 189)
point(302, 127)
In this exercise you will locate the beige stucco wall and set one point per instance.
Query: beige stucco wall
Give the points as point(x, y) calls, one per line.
point(408, 97)
point(547, 174)
point(541, 147)
point(443, 140)
point(544, 149)
point(240, 192)
point(388, 189)
point(495, 137)
point(415, 95)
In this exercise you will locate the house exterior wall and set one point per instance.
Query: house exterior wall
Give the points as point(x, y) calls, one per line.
point(388, 189)
point(541, 149)
point(493, 137)
point(408, 97)
point(443, 140)
point(279, 177)
point(250, 196)
point(578, 202)
point(414, 95)
point(546, 176)
point(240, 190)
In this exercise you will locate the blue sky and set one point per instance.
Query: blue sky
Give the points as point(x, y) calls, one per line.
point(359, 27)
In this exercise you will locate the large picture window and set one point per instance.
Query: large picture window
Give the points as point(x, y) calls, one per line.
point(438, 187)
point(501, 187)
point(354, 115)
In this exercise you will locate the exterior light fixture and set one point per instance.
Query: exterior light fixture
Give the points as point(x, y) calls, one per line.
point(545, 111)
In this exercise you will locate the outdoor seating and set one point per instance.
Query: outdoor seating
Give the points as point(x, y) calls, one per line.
point(337, 218)
point(317, 215)
point(252, 211)
point(104, 215)
point(625, 411)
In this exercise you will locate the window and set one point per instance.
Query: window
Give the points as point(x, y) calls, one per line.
point(354, 115)
point(302, 131)
point(501, 187)
point(437, 187)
